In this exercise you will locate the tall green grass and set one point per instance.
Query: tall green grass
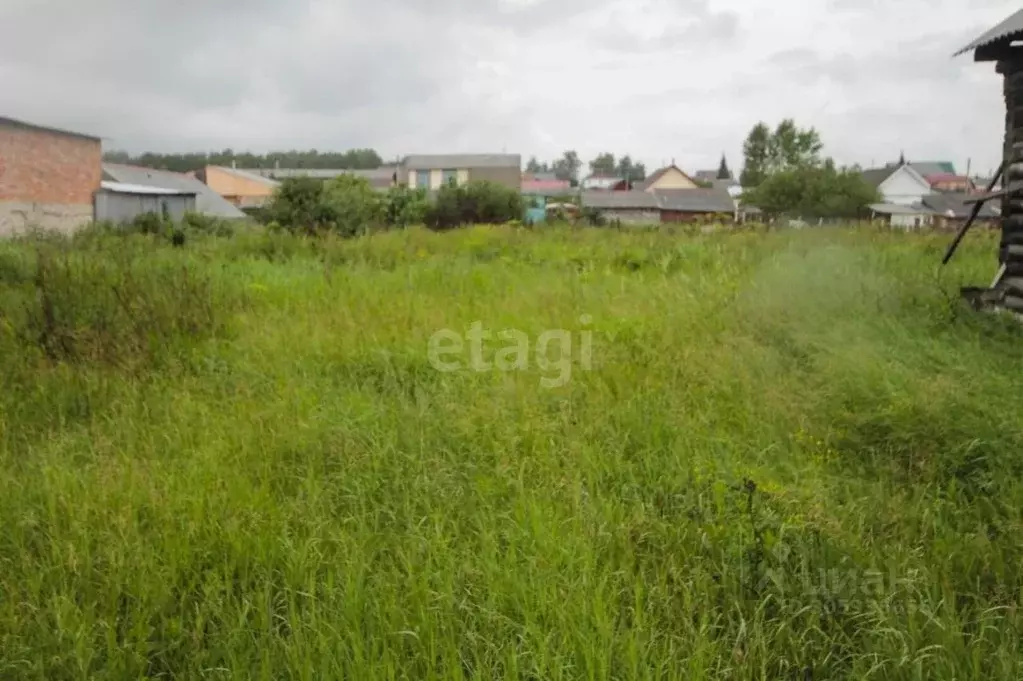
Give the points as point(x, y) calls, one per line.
point(795, 456)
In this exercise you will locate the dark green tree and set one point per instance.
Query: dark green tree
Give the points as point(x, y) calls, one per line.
point(793, 147)
point(313, 159)
point(756, 152)
point(603, 164)
point(630, 170)
point(723, 171)
point(567, 167)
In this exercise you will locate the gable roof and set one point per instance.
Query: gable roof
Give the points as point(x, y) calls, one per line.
point(208, 202)
point(1010, 29)
point(878, 176)
point(14, 123)
point(943, 202)
point(659, 173)
point(456, 161)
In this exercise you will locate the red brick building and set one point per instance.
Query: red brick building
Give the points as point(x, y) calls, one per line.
point(47, 177)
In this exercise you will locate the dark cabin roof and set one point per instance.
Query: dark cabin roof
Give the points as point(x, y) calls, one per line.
point(877, 176)
point(1010, 29)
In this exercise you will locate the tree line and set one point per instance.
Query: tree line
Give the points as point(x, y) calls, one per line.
point(569, 166)
point(353, 159)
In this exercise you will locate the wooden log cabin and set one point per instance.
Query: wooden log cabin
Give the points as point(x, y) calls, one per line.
point(1003, 45)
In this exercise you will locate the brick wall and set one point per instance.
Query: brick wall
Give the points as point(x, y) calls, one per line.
point(46, 177)
point(43, 167)
point(510, 176)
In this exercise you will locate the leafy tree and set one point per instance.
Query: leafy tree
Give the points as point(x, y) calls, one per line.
point(346, 204)
point(626, 168)
point(352, 204)
point(723, 171)
point(534, 166)
point(567, 167)
point(814, 191)
point(793, 147)
point(604, 164)
point(785, 148)
point(756, 150)
point(297, 205)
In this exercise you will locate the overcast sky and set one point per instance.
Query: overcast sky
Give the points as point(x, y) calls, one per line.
point(659, 79)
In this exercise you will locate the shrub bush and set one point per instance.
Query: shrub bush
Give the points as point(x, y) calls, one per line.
point(347, 205)
point(206, 224)
point(351, 206)
point(478, 203)
point(405, 206)
point(298, 205)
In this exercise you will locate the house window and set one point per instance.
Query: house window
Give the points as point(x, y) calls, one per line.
point(423, 179)
point(449, 177)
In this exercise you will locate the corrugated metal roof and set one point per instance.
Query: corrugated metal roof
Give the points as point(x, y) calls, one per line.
point(208, 202)
point(945, 202)
point(1010, 29)
point(123, 188)
point(456, 161)
point(695, 200)
point(899, 209)
point(926, 168)
point(635, 199)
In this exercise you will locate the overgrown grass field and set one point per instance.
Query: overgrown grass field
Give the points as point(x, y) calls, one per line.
point(788, 455)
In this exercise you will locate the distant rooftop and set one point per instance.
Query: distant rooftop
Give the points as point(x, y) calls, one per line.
point(456, 161)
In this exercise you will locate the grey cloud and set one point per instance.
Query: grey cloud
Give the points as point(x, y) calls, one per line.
point(695, 27)
point(130, 65)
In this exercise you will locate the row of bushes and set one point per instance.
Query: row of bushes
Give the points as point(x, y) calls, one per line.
point(349, 206)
